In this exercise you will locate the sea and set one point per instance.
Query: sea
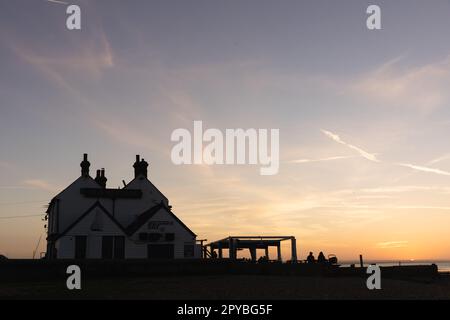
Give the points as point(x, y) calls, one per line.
point(443, 266)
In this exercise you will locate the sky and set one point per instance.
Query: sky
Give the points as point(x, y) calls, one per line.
point(364, 116)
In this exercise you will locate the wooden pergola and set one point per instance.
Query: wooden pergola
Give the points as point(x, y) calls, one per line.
point(235, 243)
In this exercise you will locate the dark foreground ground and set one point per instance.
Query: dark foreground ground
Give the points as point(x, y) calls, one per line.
point(229, 287)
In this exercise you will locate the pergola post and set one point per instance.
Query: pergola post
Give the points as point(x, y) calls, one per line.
point(294, 249)
point(278, 252)
point(253, 253)
point(232, 249)
point(253, 243)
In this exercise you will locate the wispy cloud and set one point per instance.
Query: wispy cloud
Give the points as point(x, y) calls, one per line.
point(421, 87)
point(5, 165)
point(424, 169)
point(372, 157)
point(57, 1)
point(127, 134)
point(440, 159)
point(363, 153)
point(40, 184)
point(400, 189)
point(91, 59)
point(392, 244)
point(14, 187)
point(322, 159)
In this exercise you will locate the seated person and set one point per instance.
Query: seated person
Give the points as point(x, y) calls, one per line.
point(321, 258)
point(310, 258)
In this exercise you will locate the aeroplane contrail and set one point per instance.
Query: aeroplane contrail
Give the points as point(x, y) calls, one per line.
point(57, 1)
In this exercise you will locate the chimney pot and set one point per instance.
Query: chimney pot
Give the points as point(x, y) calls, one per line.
point(140, 167)
point(100, 178)
point(85, 166)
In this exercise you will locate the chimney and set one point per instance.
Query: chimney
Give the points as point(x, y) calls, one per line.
point(97, 177)
point(136, 166)
point(140, 167)
point(144, 166)
point(100, 178)
point(103, 178)
point(85, 166)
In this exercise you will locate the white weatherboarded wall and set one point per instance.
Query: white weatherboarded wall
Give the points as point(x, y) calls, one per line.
point(182, 236)
point(69, 205)
point(134, 249)
point(94, 238)
point(129, 209)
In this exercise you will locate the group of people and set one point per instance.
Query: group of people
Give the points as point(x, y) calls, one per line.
point(320, 259)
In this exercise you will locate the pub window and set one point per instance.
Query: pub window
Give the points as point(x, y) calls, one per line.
point(119, 247)
point(107, 247)
point(154, 237)
point(170, 236)
point(80, 247)
point(113, 247)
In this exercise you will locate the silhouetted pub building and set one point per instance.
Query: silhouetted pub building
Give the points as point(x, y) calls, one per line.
point(87, 220)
